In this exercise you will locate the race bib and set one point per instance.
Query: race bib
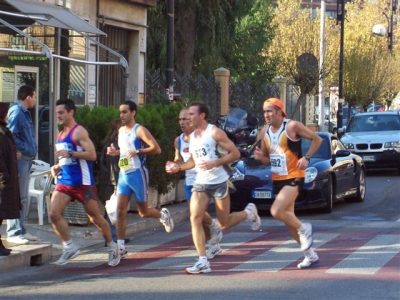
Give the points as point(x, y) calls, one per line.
point(64, 161)
point(278, 164)
point(127, 164)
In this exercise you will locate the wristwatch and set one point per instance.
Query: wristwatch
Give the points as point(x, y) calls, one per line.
point(70, 153)
point(308, 157)
point(137, 152)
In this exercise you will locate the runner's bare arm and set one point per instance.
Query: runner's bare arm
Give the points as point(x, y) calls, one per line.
point(225, 143)
point(145, 136)
point(177, 157)
point(262, 153)
point(81, 137)
point(297, 128)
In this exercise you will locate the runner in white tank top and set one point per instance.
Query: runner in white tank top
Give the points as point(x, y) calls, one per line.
point(211, 227)
point(212, 169)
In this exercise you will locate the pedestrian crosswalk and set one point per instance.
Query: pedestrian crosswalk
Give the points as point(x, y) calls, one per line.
point(273, 252)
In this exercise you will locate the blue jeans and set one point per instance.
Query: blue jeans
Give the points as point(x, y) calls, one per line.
point(16, 227)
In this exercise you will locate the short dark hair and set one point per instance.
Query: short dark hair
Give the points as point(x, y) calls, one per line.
point(132, 105)
point(25, 91)
point(201, 107)
point(69, 104)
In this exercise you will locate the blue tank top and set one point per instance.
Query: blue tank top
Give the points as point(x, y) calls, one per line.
point(74, 172)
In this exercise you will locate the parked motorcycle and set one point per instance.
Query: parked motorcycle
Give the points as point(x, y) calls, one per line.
point(240, 127)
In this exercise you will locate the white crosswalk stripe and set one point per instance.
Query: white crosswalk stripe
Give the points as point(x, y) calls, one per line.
point(365, 260)
point(281, 256)
point(183, 259)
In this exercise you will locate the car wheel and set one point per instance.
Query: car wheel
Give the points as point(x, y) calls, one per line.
point(329, 197)
point(361, 188)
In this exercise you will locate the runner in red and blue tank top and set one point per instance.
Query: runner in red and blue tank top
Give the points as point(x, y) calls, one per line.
point(74, 177)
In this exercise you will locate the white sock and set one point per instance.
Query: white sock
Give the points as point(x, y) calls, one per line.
point(203, 258)
point(302, 227)
point(121, 244)
point(68, 244)
point(309, 252)
point(163, 216)
point(111, 245)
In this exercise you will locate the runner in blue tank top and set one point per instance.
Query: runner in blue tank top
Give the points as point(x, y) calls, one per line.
point(133, 175)
point(75, 152)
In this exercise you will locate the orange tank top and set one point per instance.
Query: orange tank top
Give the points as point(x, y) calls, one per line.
point(284, 153)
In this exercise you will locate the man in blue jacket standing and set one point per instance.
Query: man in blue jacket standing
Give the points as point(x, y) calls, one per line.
point(21, 125)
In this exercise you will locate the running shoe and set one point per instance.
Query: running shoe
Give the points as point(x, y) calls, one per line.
point(113, 258)
point(168, 223)
point(213, 250)
point(306, 237)
point(199, 267)
point(253, 217)
point(68, 254)
point(30, 237)
point(309, 261)
point(216, 233)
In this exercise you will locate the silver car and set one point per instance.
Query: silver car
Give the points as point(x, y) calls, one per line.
point(375, 136)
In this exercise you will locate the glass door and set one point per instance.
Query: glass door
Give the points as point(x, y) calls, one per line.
point(25, 75)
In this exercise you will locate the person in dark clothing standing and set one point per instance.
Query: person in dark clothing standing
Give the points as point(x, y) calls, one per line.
point(109, 170)
point(10, 201)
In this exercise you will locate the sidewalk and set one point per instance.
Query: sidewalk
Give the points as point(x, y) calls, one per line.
point(49, 247)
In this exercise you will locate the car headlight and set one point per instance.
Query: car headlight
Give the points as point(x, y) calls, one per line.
point(392, 144)
point(349, 145)
point(236, 175)
point(311, 174)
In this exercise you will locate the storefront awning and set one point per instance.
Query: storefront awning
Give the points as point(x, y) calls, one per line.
point(49, 15)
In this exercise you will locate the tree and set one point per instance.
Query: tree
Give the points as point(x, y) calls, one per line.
point(213, 33)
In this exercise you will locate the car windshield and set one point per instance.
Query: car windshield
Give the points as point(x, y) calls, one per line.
point(323, 150)
point(381, 122)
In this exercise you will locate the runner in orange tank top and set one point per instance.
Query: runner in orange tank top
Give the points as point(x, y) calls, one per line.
point(281, 147)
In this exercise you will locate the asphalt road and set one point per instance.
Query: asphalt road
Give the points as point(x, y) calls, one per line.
point(358, 245)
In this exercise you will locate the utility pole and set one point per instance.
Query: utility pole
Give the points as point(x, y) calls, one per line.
point(341, 17)
point(169, 89)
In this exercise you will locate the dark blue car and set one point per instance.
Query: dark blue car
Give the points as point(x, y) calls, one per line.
point(333, 174)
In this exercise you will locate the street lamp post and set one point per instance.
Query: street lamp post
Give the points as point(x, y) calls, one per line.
point(341, 17)
point(381, 30)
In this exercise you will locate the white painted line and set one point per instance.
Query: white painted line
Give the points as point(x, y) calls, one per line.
point(280, 256)
point(369, 258)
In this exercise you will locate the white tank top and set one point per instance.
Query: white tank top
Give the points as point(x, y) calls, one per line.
point(183, 147)
point(128, 141)
point(205, 148)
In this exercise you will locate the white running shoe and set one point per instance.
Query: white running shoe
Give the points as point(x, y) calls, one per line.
point(20, 240)
point(168, 223)
point(68, 254)
point(216, 233)
point(213, 250)
point(253, 217)
point(306, 237)
point(30, 237)
point(199, 267)
point(309, 261)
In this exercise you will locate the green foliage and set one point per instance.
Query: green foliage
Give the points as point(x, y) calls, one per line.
point(213, 33)
point(162, 122)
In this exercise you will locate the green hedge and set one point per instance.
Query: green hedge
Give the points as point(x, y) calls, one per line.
point(160, 120)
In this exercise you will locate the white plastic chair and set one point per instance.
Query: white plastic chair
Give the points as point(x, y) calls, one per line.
point(39, 187)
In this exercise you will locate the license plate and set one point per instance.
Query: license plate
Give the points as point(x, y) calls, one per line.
point(369, 158)
point(262, 195)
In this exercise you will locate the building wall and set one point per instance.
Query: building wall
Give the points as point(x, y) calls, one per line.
point(131, 16)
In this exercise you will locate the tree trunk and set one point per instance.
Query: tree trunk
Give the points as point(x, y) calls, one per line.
point(185, 38)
